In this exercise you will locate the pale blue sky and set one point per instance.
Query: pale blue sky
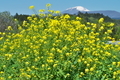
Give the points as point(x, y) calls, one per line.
point(21, 6)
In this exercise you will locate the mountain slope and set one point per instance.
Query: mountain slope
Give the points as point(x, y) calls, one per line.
point(110, 13)
point(75, 10)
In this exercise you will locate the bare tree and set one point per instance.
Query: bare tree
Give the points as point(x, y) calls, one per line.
point(6, 19)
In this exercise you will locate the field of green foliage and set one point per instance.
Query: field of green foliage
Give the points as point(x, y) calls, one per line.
point(58, 48)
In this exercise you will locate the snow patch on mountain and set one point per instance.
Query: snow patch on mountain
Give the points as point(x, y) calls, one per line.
point(79, 8)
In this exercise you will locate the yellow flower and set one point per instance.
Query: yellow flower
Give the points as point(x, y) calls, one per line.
point(118, 63)
point(26, 62)
point(88, 65)
point(108, 54)
point(86, 70)
point(113, 63)
point(49, 68)
point(21, 70)
point(1, 38)
point(79, 60)
point(48, 5)
point(1, 72)
point(111, 24)
point(64, 48)
point(43, 65)
point(31, 7)
point(51, 11)
point(57, 12)
point(50, 60)
point(9, 28)
point(4, 33)
point(9, 77)
point(114, 73)
point(53, 49)
point(66, 16)
point(15, 20)
point(101, 20)
point(42, 10)
point(78, 18)
point(4, 66)
point(114, 76)
point(67, 74)
point(58, 50)
point(101, 27)
point(81, 73)
point(91, 69)
point(55, 65)
point(29, 76)
point(33, 67)
point(118, 71)
point(85, 62)
point(109, 31)
point(68, 54)
point(28, 69)
point(110, 69)
point(88, 23)
point(2, 78)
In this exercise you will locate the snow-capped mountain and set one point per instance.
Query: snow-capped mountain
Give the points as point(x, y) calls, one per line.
point(80, 8)
point(75, 10)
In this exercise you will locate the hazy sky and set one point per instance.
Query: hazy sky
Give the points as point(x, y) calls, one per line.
point(21, 6)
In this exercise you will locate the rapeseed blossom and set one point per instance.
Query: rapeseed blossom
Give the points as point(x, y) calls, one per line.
point(48, 5)
point(101, 20)
point(41, 10)
point(57, 12)
point(31, 7)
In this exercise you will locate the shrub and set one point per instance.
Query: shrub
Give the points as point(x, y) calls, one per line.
point(6, 20)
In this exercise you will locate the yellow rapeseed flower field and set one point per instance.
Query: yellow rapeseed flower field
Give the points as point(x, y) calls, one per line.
point(48, 47)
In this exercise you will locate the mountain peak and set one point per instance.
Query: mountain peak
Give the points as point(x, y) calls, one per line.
point(79, 8)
